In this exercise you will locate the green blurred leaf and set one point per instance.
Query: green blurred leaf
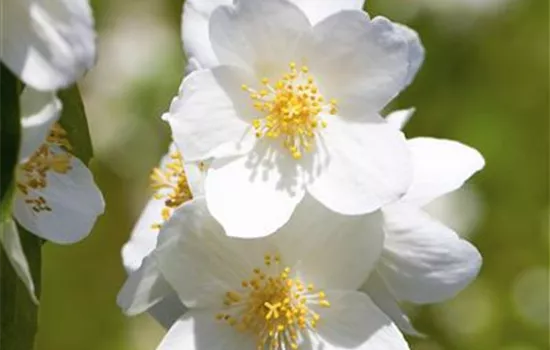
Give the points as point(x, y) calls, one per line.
point(73, 120)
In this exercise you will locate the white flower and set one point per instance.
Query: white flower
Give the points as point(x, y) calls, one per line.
point(293, 108)
point(55, 194)
point(424, 261)
point(48, 44)
point(294, 289)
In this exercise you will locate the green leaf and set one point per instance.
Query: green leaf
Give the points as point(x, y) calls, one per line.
point(18, 314)
point(10, 136)
point(73, 120)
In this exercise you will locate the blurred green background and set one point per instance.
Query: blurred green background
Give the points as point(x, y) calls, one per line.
point(484, 83)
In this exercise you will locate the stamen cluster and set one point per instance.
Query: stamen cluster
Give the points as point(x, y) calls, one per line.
point(171, 185)
point(293, 109)
point(273, 305)
point(35, 169)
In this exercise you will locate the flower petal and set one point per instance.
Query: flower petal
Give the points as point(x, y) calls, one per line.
point(48, 44)
point(398, 119)
point(440, 167)
point(10, 241)
point(353, 321)
point(199, 330)
point(424, 261)
point(266, 194)
point(195, 31)
point(143, 238)
point(362, 166)
point(199, 261)
point(196, 16)
point(74, 200)
point(143, 289)
point(39, 110)
point(211, 112)
point(258, 36)
point(376, 289)
point(316, 11)
point(376, 62)
point(324, 243)
point(415, 51)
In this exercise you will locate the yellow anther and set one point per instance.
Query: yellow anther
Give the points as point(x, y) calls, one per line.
point(46, 159)
point(274, 310)
point(170, 184)
point(244, 87)
point(292, 110)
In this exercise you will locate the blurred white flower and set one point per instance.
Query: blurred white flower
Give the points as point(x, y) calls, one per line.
point(285, 291)
point(424, 261)
point(48, 44)
point(55, 194)
point(305, 122)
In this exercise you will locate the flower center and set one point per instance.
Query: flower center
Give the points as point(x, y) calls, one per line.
point(35, 169)
point(170, 183)
point(293, 110)
point(273, 306)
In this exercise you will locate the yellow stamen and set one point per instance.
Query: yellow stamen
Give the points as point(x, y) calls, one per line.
point(292, 110)
point(170, 183)
point(34, 172)
point(274, 308)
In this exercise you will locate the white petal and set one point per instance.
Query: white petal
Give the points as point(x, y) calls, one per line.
point(398, 119)
point(10, 241)
point(251, 199)
point(195, 32)
point(363, 166)
point(143, 238)
point(168, 310)
point(199, 261)
point(318, 10)
point(196, 176)
point(440, 166)
point(144, 288)
point(196, 15)
point(39, 110)
point(415, 51)
point(48, 43)
point(75, 203)
point(259, 36)
point(354, 322)
point(210, 112)
point(424, 261)
point(376, 62)
point(376, 289)
point(199, 330)
point(324, 243)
